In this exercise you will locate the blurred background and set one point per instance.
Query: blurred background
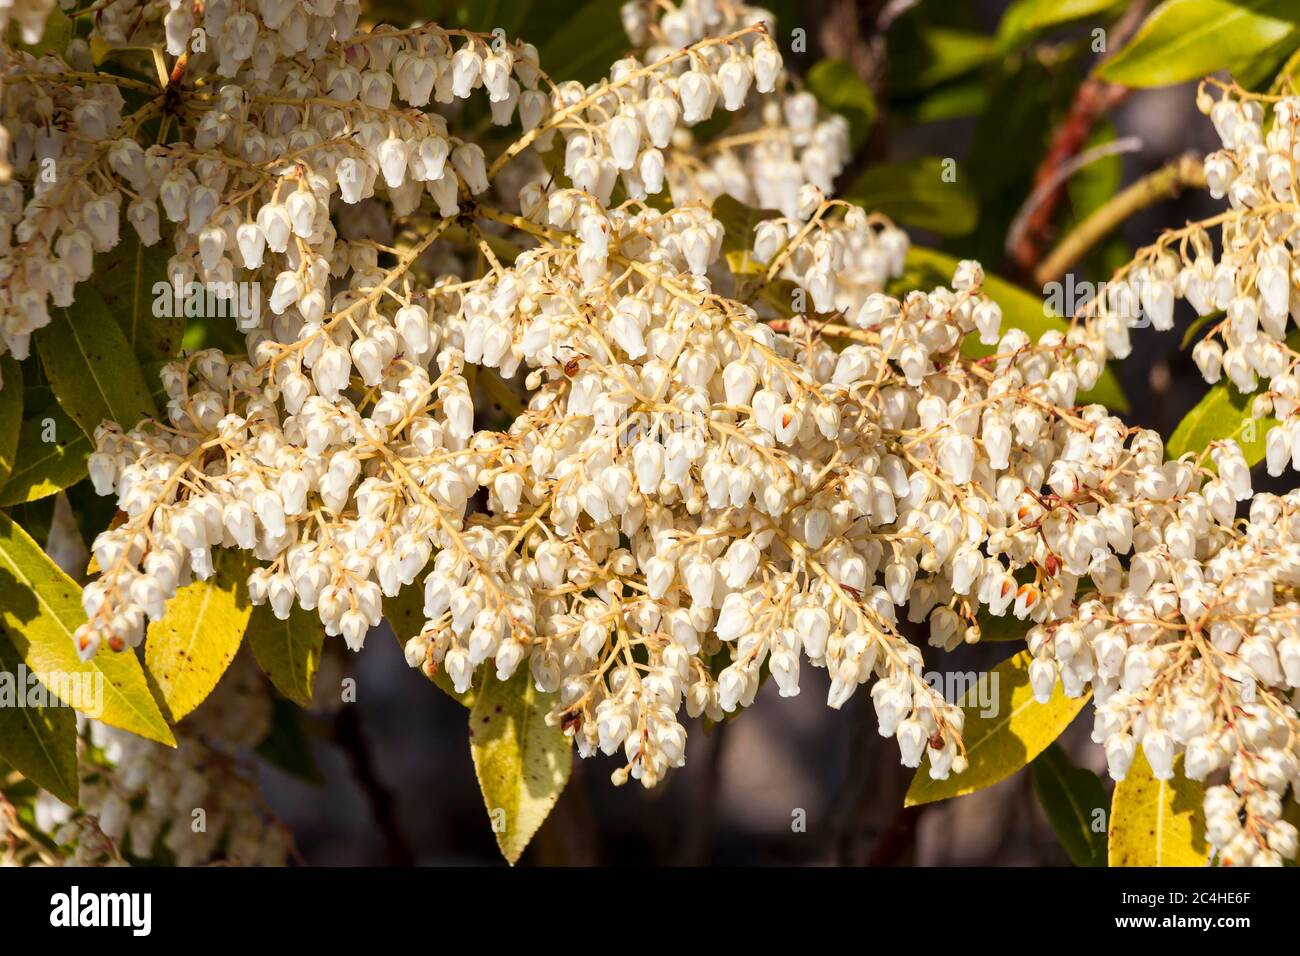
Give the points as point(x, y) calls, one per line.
point(792, 782)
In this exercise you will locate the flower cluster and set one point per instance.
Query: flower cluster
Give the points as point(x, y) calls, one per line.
point(52, 226)
point(1246, 290)
point(775, 148)
point(247, 192)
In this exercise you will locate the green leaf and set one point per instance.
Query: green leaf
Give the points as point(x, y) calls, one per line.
point(916, 192)
point(522, 764)
point(1197, 325)
point(1099, 180)
point(1040, 14)
point(11, 413)
point(923, 56)
point(1021, 310)
point(190, 647)
point(287, 746)
point(1026, 98)
point(1287, 81)
point(738, 222)
point(288, 651)
point(125, 278)
point(405, 615)
point(1221, 414)
point(1089, 189)
point(38, 742)
point(1071, 797)
point(998, 745)
point(91, 367)
point(43, 468)
point(58, 31)
point(41, 608)
point(1157, 822)
point(839, 90)
point(1014, 29)
point(994, 630)
point(1187, 39)
point(584, 42)
point(960, 98)
point(1258, 72)
point(1024, 20)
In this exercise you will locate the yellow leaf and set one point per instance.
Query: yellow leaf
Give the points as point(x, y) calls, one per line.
point(1016, 731)
point(100, 49)
point(41, 608)
point(742, 263)
point(522, 764)
point(188, 650)
point(1157, 822)
point(288, 651)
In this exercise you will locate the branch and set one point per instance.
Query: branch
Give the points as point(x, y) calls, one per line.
point(1166, 182)
point(899, 839)
point(1093, 100)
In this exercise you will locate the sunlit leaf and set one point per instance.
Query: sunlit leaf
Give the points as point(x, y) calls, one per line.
point(41, 608)
point(1186, 39)
point(1157, 822)
point(1222, 413)
point(190, 647)
point(522, 764)
point(1015, 731)
point(41, 467)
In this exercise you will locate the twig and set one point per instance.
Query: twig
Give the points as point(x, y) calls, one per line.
point(1094, 99)
point(1019, 228)
point(1166, 182)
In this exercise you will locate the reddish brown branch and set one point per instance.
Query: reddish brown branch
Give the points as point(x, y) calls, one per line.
point(900, 838)
point(1093, 100)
